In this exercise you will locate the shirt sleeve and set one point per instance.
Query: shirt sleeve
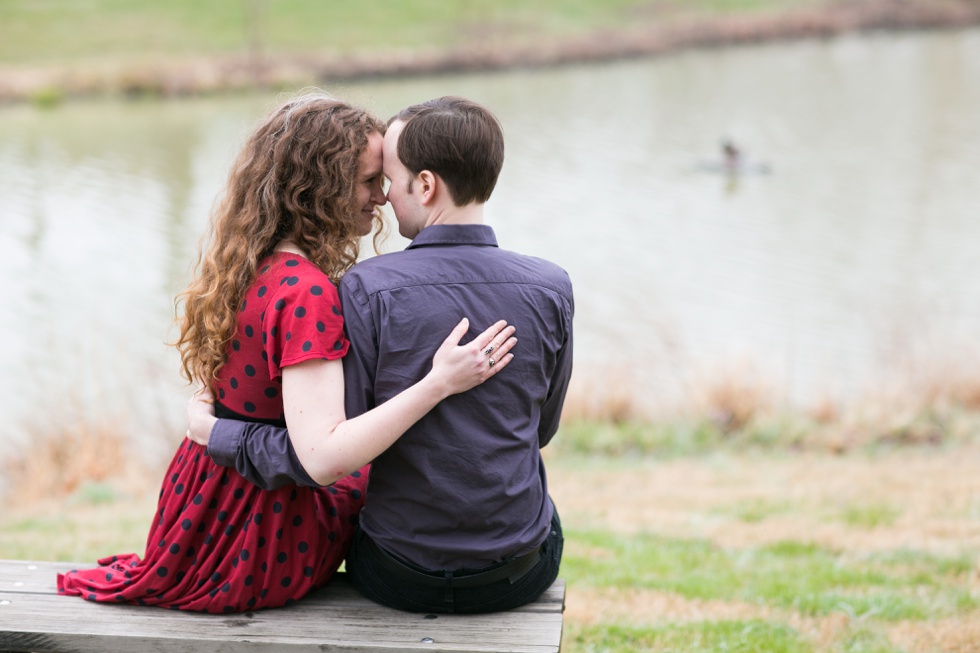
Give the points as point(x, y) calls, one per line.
point(262, 453)
point(551, 409)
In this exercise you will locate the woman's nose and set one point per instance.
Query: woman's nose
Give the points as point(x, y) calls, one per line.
point(379, 195)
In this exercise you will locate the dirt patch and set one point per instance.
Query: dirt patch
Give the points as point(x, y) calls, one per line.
point(590, 607)
point(947, 635)
point(929, 499)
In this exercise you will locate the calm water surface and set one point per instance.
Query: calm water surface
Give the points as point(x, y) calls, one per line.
point(853, 258)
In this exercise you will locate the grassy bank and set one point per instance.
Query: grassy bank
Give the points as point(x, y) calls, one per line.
point(764, 552)
point(723, 551)
point(735, 529)
point(58, 31)
point(59, 48)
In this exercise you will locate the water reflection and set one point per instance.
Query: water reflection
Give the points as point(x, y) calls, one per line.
point(857, 249)
point(102, 206)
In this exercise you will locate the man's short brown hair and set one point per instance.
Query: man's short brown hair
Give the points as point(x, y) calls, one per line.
point(457, 139)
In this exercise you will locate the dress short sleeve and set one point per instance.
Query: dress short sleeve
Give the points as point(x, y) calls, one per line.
point(303, 320)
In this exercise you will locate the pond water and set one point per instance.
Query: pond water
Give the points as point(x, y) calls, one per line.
point(846, 252)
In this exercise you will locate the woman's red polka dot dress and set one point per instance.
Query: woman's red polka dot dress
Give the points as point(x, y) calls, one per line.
point(219, 543)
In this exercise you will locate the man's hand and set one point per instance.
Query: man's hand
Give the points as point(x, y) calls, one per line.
point(200, 416)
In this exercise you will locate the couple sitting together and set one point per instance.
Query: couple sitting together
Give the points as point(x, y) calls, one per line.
point(401, 434)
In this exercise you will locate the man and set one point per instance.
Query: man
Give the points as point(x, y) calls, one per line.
point(457, 515)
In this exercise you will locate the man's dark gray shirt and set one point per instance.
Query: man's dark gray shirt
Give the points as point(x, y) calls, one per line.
point(465, 487)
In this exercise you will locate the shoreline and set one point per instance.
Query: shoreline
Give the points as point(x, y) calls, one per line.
point(204, 75)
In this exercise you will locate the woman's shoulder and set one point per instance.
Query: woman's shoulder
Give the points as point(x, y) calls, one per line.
point(291, 270)
point(291, 280)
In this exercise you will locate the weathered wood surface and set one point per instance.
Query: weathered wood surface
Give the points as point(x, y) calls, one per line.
point(336, 618)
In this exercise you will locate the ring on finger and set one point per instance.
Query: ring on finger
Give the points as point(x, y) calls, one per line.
point(489, 350)
point(492, 362)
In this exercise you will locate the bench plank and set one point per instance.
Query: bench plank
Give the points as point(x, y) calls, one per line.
point(33, 617)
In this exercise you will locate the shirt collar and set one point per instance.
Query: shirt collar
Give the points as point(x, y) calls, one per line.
point(455, 234)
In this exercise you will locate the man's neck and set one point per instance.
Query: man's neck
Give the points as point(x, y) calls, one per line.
point(469, 214)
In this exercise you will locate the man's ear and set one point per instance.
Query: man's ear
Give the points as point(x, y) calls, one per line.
point(428, 182)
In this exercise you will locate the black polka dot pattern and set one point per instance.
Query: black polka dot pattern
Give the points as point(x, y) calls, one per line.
point(294, 309)
point(204, 556)
point(217, 543)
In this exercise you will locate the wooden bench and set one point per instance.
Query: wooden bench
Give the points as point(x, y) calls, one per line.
point(33, 617)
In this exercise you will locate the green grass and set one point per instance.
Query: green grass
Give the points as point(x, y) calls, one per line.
point(41, 31)
point(699, 637)
point(870, 516)
point(791, 575)
point(789, 432)
point(682, 437)
point(679, 437)
point(797, 586)
point(94, 522)
point(663, 439)
point(759, 510)
point(751, 636)
point(867, 641)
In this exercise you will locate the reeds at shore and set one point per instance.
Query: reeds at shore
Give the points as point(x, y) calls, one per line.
point(922, 405)
point(735, 411)
point(63, 460)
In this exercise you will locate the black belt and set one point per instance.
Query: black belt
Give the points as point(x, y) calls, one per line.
point(511, 570)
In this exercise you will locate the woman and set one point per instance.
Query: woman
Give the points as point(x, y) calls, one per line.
point(262, 331)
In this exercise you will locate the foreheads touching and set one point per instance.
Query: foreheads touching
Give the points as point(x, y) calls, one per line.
point(308, 152)
point(297, 178)
point(457, 139)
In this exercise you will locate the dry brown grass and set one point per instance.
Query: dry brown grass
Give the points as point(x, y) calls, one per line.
point(931, 496)
point(588, 606)
point(59, 460)
point(734, 396)
point(930, 395)
point(612, 398)
point(730, 396)
point(960, 635)
point(744, 501)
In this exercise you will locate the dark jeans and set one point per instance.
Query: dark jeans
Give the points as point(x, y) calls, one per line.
point(374, 580)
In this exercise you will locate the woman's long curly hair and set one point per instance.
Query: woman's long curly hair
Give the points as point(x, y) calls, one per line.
point(294, 180)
